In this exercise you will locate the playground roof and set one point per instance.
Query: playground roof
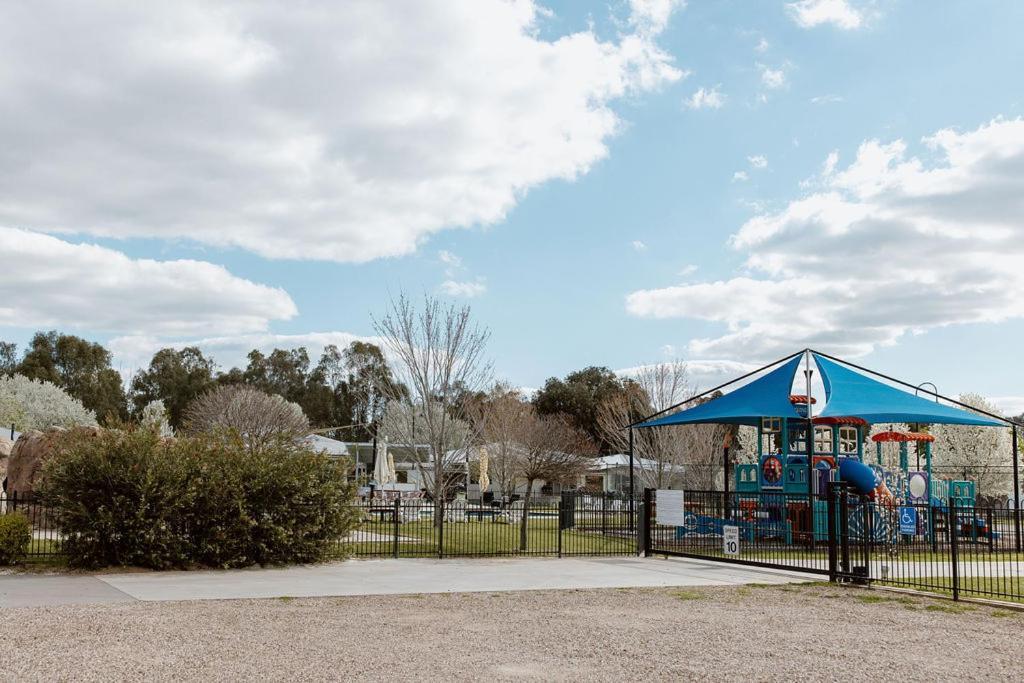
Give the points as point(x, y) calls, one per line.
point(766, 396)
point(848, 393)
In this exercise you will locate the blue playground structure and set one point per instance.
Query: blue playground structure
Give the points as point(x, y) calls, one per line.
point(801, 451)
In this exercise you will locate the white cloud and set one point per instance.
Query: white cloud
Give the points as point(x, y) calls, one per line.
point(467, 289)
point(316, 130)
point(448, 258)
point(652, 16)
point(827, 99)
point(758, 161)
point(700, 374)
point(811, 13)
point(705, 99)
point(762, 46)
point(1009, 405)
point(639, 246)
point(45, 281)
point(773, 79)
point(829, 166)
point(740, 177)
point(887, 246)
point(688, 270)
point(133, 352)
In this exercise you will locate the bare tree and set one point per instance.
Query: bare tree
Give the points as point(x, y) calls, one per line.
point(550, 450)
point(498, 417)
point(665, 457)
point(437, 355)
point(258, 418)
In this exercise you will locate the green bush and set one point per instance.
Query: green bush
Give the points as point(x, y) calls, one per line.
point(133, 498)
point(15, 535)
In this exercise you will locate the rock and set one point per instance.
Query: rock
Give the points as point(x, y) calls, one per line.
point(5, 452)
point(30, 452)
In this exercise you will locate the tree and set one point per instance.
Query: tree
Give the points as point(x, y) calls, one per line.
point(665, 457)
point(982, 454)
point(497, 417)
point(80, 367)
point(437, 353)
point(34, 404)
point(154, 417)
point(550, 449)
point(174, 377)
point(261, 420)
point(8, 358)
point(578, 397)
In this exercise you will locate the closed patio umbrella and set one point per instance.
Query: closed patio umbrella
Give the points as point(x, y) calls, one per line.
point(485, 479)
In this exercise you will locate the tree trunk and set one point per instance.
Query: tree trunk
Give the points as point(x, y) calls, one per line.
point(526, 514)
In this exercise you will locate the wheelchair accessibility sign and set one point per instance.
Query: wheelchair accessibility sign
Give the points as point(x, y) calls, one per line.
point(908, 520)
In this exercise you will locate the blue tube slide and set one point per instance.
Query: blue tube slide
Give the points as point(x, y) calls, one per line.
point(860, 476)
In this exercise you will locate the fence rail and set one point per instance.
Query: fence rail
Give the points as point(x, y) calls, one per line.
point(577, 524)
point(961, 551)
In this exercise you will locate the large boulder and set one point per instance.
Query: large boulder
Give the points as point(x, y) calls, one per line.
point(32, 449)
point(5, 452)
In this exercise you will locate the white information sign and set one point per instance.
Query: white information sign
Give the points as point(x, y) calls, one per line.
point(731, 540)
point(670, 509)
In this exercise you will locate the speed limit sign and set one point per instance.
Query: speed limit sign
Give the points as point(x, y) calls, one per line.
point(731, 540)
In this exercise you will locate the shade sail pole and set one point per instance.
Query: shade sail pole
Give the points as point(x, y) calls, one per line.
point(1016, 490)
point(810, 448)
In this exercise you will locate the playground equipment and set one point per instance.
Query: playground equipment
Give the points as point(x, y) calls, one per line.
point(801, 451)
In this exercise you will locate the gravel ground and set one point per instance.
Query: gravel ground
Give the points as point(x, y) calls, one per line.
point(739, 633)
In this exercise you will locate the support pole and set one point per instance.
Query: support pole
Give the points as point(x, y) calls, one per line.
point(810, 450)
point(1016, 490)
point(632, 484)
point(725, 476)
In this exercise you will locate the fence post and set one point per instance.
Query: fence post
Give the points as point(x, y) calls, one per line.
point(440, 529)
point(844, 528)
point(398, 514)
point(991, 533)
point(562, 512)
point(644, 538)
point(952, 523)
point(833, 550)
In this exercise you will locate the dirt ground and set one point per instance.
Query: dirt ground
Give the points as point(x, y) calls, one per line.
point(790, 632)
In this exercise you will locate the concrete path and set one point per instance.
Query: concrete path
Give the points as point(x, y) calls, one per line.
point(384, 577)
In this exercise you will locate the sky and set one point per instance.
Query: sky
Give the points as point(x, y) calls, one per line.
point(610, 183)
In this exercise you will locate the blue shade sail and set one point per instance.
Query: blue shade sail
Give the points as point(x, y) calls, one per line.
point(856, 395)
point(767, 396)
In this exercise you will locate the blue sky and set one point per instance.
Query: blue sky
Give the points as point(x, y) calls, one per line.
point(603, 232)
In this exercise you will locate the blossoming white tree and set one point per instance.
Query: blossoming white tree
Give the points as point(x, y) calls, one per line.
point(34, 404)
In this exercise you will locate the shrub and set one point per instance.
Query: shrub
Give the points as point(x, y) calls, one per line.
point(262, 420)
point(134, 498)
point(15, 535)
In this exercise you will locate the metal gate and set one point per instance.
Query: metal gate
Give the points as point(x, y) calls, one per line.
point(954, 550)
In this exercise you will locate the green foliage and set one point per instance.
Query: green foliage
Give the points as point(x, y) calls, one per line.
point(134, 498)
point(15, 535)
point(80, 367)
point(578, 398)
point(174, 377)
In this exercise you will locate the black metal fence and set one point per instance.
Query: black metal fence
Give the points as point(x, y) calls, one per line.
point(45, 544)
point(961, 551)
point(575, 524)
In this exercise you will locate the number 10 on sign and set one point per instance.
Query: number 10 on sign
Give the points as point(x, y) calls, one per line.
point(731, 540)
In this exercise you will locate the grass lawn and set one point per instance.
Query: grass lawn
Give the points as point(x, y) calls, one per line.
point(989, 588)
point(420, 538)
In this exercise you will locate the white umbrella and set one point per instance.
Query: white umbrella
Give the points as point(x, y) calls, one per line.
point(485, 479)
point(381, 471)
point(392, 472)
